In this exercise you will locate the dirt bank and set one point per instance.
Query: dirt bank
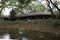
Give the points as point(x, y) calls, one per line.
point(36, 27)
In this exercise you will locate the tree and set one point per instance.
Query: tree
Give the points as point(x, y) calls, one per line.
point(3, 5)
point(23, 5)
point(36, 7)
point(51, 10)
point(19, 5)
point(55, 5)
point(12, 15)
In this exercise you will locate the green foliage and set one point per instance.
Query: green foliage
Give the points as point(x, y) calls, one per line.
point(12, 3)
point(38, 7)
point(24, 1)
point(23, 4)
point(50, 22)
point(0, 5)
point(55, 23)
point(58, 15)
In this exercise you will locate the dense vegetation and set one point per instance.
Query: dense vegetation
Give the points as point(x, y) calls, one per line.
point(30, 6)
point(51, 22)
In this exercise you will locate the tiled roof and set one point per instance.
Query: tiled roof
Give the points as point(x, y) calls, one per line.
point(35, 13)
point(31, 14)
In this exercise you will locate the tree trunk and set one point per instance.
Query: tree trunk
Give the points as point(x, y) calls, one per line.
point(55, 5)
point(50, 8)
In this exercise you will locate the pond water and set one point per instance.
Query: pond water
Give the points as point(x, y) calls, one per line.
point(30, 35)
point(5, 36)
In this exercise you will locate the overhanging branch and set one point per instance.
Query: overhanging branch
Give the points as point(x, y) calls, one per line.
point(55, 5)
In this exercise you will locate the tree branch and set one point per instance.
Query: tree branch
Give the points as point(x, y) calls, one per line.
point(55, 5)
point(50, 7)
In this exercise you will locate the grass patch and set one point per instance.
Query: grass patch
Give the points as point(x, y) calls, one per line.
point(52, 22)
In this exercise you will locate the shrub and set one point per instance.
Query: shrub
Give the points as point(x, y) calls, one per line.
point(12, 15)
point(55, 23)
point(58, 16)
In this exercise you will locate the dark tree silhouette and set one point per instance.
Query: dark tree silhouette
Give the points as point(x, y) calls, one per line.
point(55, 5)
point(50, 7)
point(12, 15)
point(51, 10)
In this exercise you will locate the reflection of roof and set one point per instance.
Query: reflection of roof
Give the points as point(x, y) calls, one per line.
point(36, 13)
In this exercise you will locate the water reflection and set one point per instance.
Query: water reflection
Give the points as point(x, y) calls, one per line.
point(30, 35)
point(22, 35)
point(38, 35)
point(5, 36)
point(24, 38)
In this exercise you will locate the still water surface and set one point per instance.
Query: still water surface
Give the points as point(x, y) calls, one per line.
point(30, 35)
point(6, 36)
